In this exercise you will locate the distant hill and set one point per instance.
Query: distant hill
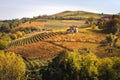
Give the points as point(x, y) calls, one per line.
point(76, 15)
point(70, 15)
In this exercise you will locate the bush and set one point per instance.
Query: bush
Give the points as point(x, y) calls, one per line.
point(12, 66)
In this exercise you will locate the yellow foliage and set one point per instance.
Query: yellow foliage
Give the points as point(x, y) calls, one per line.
point(19, 34)
point(12, 66)
point(118, 43)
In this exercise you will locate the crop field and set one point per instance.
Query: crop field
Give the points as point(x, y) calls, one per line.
point(41, 49)
point(62, 25)
point(33, 24)
point(78, 37)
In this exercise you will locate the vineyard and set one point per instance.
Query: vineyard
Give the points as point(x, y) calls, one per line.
point(33, 39)
point(48, 44)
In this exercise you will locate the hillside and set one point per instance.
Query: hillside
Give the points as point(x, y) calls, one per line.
point(46, 45)
point(76, 15)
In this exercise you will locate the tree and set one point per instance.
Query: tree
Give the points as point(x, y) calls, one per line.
point(89, 68)
point(105, 69)
point(12, 66)
point(101, 24)
point(5, 27)
point(76, 66)
point(90, 20)
point(19, 34)
point(4, 40)
point(72, 66)
point(5, 37)
point(112, 26)
point(13, 36)
point(116, 68)
point(111, 39)
point(64, 67)
point(3, 44)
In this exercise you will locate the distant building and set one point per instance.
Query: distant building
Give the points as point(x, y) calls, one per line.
point(106, 18)
point(72, 29)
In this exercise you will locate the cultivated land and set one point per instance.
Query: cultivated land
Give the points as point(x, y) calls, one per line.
point(49, 44)
point(32, 24)
point(62, 25)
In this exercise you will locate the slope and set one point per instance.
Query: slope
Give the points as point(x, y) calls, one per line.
point(76, 15)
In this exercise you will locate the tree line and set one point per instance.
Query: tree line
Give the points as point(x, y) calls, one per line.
point(76, 66)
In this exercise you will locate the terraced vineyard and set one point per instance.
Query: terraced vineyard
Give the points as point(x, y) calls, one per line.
point(33, 39)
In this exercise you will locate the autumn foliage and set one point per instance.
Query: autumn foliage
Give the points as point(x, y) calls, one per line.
point(86, 66)
point(32, 24)
point(12, 66)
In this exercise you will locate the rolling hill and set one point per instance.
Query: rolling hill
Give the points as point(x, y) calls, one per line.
point(70, 15)
point(76, 15)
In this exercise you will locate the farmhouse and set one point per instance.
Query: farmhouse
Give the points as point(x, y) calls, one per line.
point(72, 29)
point(105, 18)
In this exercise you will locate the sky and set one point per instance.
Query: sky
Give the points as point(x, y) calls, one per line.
point(11, 9)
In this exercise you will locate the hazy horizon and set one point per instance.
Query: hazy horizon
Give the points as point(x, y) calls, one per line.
point(29, 8)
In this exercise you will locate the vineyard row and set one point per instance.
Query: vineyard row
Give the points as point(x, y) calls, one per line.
point(33, 39)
